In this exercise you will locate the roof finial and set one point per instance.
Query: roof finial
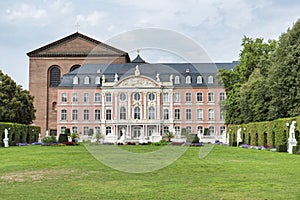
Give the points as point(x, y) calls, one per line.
point(138, 51)
point(77, 26)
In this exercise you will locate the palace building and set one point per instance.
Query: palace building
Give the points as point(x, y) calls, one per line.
point(87, 86)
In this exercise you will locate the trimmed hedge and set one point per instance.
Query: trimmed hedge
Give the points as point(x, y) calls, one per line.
point(19, 133)
point(274, 133)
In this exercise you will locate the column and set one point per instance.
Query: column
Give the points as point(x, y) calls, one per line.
point(129, 106)
point(145, 104)
point(103, 114)
point(158, 105)
point(171, 113)
point(115, 107)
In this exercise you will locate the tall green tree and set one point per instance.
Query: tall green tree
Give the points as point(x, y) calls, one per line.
point(16, 104)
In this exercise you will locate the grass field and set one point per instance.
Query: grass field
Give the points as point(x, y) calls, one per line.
point(70, 172)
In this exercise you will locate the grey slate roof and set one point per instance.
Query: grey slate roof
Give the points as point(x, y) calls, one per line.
point(151, 70)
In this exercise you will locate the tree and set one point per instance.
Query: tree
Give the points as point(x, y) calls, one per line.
point(16, 104)
point(284, 79)
point(168, 136)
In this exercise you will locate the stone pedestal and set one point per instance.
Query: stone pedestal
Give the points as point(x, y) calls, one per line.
point(155, 138)
point(291, 144)
point(142, 139)
point(5, 141)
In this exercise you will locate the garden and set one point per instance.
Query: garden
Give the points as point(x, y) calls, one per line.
point(71, 172)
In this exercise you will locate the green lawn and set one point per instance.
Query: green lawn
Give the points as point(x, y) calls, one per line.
point(68, 172)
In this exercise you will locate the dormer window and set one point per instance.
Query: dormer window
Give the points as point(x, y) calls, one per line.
point(210, 80)
point(177, 80)
point(97, 80)
point(188, 79)
point(75, 80)
point(199, 79)
point(187, 70)
point(86, 80)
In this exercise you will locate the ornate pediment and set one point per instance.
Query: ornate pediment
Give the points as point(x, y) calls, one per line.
point(137, 82)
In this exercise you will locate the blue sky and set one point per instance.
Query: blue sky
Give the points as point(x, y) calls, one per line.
point(218, 26)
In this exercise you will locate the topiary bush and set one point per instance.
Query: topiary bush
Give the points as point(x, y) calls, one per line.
point(49, 139)
point(63, 138)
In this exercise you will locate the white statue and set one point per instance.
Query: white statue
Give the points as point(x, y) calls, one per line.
point(103, 78)
point(137, 71)
point(123, 131)
point(5, 140)
point(116, 77)
point(171, 78)
point(292, 130)
point(39, 139)
point(157, 77)
point(239, 139)
point(6, 134)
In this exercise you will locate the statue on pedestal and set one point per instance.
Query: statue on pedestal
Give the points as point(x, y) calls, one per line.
point(5, 140)
point(292, 140)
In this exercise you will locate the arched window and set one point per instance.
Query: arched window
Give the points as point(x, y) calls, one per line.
point(151, 113)
point(75, 80)
point(86, 80)
point(177, 80)
point(210, 80)
point(137, 113)
point(74, 67)
point(199, 79)
point(188, 79)
point(54, 105)
point(97, 80)
point(54, 73)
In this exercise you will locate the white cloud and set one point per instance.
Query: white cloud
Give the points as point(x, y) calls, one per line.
point(93, 19)
point(25, 11)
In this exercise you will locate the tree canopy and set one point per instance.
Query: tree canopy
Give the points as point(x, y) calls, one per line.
point(16, 104)
point(265, 85)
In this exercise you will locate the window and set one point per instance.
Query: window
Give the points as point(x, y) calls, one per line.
point(187, 70)
point(166, 114)
point(108, 114)
point(188, 129)
point(211, 130)
point(210, 80)
point(222, 130)
point(86, 97)
point(151, 113)
point(188, 114)
point(54, 76)
point(177, 80)
point(63, 114)
point(63, 129)
point(137, 113)
point(122, 96)
point(200, 130)
point(86, 80)
point(166, 129)
point(210, 97)
point(199, 114)
point(75, 80)
point(222, 96)
point(188, 97)
point(85, 130)
point(177, 114)
point(137, 96)
point(54, 106)
point(74, 129)
point(108, 130)
point(97, 97)
point(211, 114)
point(97, 114)
point(199, 79)
point(64, 98)
point(177, 130)
point(97, 129)
point(188, 79)
point(108, 97)
point(86, 114)
point(151, 96)
point(74, 97)
point(74, 115)
point(222, 114)
point(123, 113)
point(165, 97)
point(176, 97)
point(97, 80)
point(199, 97)
point(74, 67)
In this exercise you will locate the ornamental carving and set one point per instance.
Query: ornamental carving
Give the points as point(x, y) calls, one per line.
point(137, 82)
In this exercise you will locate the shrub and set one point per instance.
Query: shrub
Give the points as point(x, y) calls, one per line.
point(49, 139)
point(282, 148)
point(67, 132)
point(63, 138)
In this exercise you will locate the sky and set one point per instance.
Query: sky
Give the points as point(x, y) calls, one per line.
point(217, 26)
